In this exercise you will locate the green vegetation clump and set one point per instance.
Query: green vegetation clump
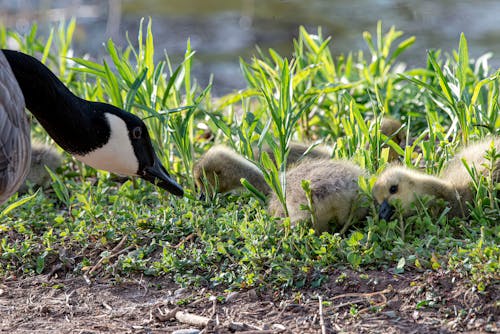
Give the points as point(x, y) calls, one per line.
point(90, 217)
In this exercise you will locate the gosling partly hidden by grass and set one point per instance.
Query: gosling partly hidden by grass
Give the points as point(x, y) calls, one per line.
point(333, 183)
point(222, 168)
point(454, 184)
point(42, 155)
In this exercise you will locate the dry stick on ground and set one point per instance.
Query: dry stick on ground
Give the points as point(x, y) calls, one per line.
point(114, 252)
point(191, 319)
point(158, 314)
point(214, 311)
point(188, 238)
point(321, 318)
point(359, 294)
point(363, 297)
point(181, 316)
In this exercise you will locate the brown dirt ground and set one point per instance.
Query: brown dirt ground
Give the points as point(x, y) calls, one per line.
point(384, 303)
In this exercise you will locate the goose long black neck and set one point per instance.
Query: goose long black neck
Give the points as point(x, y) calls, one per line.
point(75, 124)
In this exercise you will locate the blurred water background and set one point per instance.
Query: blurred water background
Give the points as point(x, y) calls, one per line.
point(222, 31)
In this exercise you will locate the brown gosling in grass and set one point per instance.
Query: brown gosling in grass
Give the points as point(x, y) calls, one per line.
point(392, 128)
point(220, 169)
point(223, 168)
point(333, 183)
point(398, 183)
point(41, 155)
point(334, 193)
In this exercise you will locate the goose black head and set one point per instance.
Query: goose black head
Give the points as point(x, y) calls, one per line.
point(123, 146)
point(100, 135)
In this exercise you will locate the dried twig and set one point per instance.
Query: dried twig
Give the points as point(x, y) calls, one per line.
point(191, 319)
point(87, 279)
point(214, 310)
point(114, 252)
point(321, 318)
point(363, 297)
point(106, 305)
point(158, 314)
point(181, 316)
point(189, 237)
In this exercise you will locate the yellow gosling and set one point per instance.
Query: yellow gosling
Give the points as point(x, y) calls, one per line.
point(402, 184)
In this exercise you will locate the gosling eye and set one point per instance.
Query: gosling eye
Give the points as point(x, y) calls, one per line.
point(393, 189)
point(137, 132)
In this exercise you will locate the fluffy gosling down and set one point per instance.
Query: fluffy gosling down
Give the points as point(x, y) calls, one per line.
point(41, 155)
point(334, 184)
point(220, 169)
point(334, 192)
point(402, 184)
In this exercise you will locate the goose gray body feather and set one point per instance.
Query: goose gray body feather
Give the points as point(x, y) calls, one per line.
point(15, 147)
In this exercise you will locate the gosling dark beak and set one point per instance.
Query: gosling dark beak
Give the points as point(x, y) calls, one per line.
point(157, 175)
point(386, 211)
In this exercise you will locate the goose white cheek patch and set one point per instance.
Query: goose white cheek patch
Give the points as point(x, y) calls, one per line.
point(117, 155)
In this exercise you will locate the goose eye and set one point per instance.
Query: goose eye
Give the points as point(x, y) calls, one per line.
point(393, 189)
point(136, 133)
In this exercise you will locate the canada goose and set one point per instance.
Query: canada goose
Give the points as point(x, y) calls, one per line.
point(334, 192)
point(454, 184)
point(42, 156)
point(98, 134)
point(223, 168)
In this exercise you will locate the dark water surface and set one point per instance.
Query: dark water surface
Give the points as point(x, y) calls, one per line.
point(221, 31)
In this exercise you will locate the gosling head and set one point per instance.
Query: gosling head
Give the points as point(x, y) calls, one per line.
point(396, 184)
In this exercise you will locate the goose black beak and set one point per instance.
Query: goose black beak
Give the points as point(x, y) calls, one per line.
point(158, 175)
point(386, 211)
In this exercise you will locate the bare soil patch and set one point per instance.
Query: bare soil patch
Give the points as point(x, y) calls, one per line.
point(370, 302)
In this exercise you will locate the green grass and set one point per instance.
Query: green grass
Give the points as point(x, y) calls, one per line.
point(230, 240)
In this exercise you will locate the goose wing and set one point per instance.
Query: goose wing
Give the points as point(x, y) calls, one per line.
point(15, 147)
